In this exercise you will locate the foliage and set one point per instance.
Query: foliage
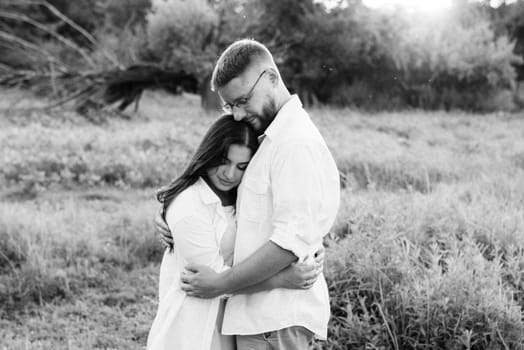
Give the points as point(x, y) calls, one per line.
point(338, 52)
point(179, 34)
point(352, 55)
point(460, 54)
point(123, 14)
point(318, 50)
point(123, 34)
point(509, 19)
point(392, 293)
point(360, 39)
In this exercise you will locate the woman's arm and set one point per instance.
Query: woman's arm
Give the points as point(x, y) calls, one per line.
point(194, 238)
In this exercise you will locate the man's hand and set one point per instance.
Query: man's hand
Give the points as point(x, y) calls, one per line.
point(201, 281)
point(302, 275)
point(162, 229)
point(320, 256)
point(297, 276)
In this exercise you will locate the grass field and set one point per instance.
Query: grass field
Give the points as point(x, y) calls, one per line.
point(427, 251)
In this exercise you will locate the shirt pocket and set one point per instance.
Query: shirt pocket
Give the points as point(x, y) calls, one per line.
point(255, 201)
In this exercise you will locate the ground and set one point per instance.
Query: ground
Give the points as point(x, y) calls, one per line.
point(427, 249)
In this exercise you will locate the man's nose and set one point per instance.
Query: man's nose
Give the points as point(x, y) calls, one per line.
point(239, 114)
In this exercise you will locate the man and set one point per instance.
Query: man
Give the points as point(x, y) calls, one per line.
point(287, 200)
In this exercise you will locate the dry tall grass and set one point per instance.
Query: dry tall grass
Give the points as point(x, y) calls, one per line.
point(427, 251)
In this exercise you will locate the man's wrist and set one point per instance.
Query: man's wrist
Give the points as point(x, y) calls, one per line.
point(223, 282)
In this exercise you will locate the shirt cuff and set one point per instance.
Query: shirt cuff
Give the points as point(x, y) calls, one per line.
point(222, 268)
point(293, 243)
point(225, 296)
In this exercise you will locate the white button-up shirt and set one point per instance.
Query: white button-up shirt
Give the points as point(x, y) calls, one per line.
point(198, 223)
point(290, 194)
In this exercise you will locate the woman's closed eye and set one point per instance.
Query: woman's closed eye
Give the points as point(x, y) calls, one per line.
point(242, 166)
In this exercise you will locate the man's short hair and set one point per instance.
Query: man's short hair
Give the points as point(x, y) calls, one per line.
point(236, 59)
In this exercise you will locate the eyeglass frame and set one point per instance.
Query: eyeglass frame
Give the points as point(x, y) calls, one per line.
point(242, 101)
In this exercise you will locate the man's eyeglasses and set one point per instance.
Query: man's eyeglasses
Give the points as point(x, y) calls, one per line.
point(242, 101)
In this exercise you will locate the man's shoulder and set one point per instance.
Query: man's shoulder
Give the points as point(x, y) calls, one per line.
point(302, 124)
point(301, 136)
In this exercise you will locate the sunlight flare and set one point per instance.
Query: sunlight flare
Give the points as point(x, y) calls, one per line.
point(423, 5)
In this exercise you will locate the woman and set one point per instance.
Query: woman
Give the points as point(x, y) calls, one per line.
point(199, 209)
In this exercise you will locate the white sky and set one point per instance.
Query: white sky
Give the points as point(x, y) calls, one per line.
point(425, 5)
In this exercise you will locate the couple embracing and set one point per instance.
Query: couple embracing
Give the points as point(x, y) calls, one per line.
point(246, 219)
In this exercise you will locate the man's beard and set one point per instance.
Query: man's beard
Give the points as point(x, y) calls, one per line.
point(269, 111)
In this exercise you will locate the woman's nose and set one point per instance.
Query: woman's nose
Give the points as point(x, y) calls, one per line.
point(230, 172)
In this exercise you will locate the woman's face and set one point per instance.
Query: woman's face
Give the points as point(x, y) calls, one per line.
point(227, 176)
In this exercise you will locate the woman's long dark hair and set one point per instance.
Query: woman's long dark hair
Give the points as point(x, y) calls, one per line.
point(224, 132)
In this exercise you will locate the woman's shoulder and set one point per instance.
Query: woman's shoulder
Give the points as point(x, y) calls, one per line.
point(186, 203)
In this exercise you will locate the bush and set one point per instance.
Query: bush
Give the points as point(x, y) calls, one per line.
point(388, 293)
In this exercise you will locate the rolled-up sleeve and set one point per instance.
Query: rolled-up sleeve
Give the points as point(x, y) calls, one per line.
point(296, 181)
point(195, 239)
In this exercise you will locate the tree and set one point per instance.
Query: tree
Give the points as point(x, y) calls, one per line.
point(178, 34)
point(508, 19)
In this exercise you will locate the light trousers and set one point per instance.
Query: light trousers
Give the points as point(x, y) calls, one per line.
point(292, 338)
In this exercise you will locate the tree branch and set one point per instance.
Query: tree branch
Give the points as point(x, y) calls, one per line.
point(29, 45)
point(62, 39)
point(82, 31)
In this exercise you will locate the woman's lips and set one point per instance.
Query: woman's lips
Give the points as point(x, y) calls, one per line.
point(224, 182)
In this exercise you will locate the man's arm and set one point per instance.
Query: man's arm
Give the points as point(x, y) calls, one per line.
point(295, 276)
point(267, 261)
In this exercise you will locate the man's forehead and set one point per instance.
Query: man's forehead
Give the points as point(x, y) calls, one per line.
point(235, 88)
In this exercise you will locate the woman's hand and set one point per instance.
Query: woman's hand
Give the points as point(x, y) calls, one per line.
point(162, 229)
point(302, 275)
point(201, 282)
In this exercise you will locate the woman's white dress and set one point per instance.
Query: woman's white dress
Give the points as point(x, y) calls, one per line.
point(204, 233)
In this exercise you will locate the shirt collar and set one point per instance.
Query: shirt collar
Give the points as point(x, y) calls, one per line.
point(206, 193)
point(282, 119)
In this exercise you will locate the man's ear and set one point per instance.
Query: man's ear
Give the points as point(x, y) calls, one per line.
point(273, 75)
